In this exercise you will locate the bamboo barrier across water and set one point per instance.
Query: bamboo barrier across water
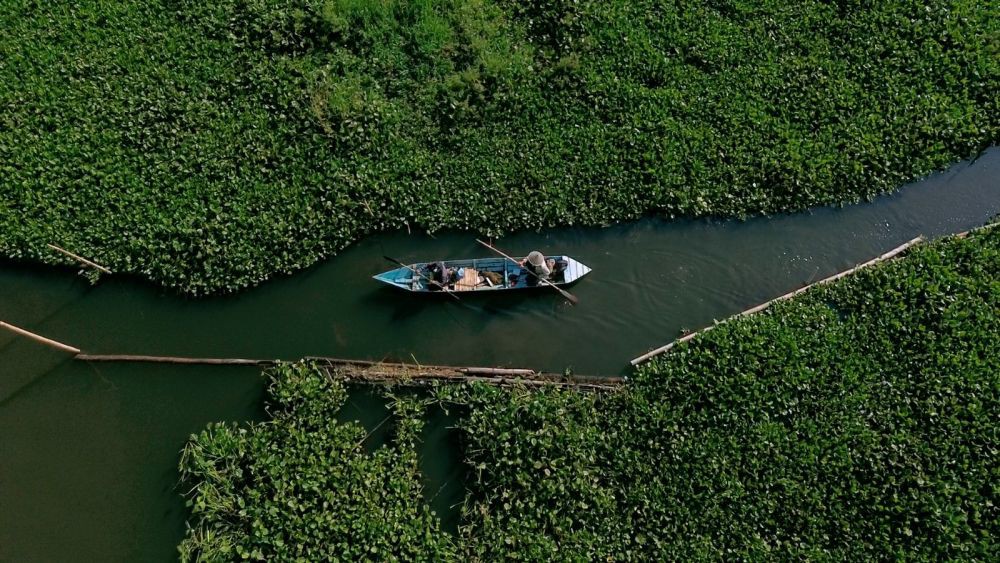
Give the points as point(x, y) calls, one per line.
point(366, 371)
point(881, 258)
point(359, 371)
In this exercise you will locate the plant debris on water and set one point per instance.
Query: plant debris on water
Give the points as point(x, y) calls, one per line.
point(858, 421)
point(209, 145)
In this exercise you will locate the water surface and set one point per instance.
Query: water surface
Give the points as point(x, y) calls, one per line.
point(88, 452)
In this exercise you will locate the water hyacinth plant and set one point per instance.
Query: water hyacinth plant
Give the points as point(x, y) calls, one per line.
point(302, 487)
point(208, 146)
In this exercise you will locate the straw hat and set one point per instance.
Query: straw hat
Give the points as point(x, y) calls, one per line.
point(536, 259)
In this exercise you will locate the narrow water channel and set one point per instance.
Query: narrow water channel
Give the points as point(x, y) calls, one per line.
point(88, 452)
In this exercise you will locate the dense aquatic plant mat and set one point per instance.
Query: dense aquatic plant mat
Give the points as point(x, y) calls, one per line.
point(860, 421)
point(302, 487)
point(208, 145)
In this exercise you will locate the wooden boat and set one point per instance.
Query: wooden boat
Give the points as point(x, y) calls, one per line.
point(416, 278)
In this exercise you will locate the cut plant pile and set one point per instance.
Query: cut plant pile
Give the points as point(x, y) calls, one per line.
point(858, 421)
point(208, 145)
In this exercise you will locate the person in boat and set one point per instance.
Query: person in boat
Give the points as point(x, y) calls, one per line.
point(535, 263)
point(439, 276)
point(443, 277)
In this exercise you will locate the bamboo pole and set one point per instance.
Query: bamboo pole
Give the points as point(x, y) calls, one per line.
point(80, 259)
point(47, 341)
point(986, 227)
point(880, 258)
point(172, 360)
point(498, 371)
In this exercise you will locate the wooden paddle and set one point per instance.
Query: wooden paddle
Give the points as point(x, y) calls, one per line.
point(569, 296)
point(431, 280)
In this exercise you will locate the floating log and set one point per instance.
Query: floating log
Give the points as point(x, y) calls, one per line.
point(80, 259)
point(47, 341)
point(881, 258)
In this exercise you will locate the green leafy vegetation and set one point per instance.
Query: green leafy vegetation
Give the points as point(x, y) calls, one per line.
point(302, 487)
point(207, 146)
point(858, 421)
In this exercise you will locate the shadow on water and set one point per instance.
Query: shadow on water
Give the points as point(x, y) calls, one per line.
point(443, 467)
point(369, 408)
point(90, 451)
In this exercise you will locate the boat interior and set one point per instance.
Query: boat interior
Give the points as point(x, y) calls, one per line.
point(483, 274)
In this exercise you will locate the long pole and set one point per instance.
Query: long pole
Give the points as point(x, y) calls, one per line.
point(47, 341)
point(569, 296)
point(172, 360)
point(79, 258)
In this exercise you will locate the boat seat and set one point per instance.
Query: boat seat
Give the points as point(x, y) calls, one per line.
point(469, 282)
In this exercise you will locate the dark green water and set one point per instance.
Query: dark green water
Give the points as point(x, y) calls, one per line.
point(88, 452)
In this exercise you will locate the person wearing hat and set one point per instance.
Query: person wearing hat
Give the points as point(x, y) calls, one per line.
point(536, 263)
